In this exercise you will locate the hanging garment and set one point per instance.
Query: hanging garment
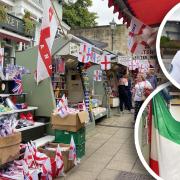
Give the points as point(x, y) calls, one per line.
point(165, 141)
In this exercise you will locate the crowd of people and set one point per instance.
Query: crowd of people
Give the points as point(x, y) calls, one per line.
point(133, 91)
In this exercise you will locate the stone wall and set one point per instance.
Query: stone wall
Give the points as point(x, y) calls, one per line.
point(104, 34)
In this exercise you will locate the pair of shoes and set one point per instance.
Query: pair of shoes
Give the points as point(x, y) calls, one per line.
point(28, 117)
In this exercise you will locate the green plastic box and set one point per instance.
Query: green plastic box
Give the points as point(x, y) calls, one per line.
point(62, 136)
point(80, 150)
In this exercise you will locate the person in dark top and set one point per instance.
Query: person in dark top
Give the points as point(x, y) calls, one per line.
point(123, 93)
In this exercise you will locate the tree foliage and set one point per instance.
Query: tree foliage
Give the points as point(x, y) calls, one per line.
point(78, 15)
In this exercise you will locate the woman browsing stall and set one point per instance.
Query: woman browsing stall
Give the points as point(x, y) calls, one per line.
point(142, 89)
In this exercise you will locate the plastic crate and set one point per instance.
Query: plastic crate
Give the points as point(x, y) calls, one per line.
point(62, 136)
point(80, 150)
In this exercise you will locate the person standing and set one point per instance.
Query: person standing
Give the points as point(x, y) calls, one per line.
point(141, 87)
point(123, 96)
point(152, 78)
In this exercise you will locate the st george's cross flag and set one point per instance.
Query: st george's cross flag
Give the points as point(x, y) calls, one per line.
point(140, 36)
point(72, 151)
point(97, 75)
point(47, 35)
point(85, 53)
point(106, 62)
point(165, 141)
point(59, 161)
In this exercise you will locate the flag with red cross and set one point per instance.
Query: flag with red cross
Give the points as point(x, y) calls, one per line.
point(106, 62)
point(85, 53)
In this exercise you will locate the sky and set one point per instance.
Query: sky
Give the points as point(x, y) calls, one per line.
point(105, 14)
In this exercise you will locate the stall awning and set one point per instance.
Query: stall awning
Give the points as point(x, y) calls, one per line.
point(13, 36)
point(150, 12)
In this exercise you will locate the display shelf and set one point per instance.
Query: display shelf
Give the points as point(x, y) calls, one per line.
point(100, 115)
point(30, 108)
point(7, 95)
point(36, 124)
point(42, 141)
point(60, 89)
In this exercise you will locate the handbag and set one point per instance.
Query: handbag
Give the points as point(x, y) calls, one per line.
point(147, 91)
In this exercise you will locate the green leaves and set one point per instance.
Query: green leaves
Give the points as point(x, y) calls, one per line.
point(78, 14)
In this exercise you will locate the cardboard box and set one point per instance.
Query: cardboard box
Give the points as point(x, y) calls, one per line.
point(114, 101)
point(9, 147)
point(72, 122)
point(50, 153)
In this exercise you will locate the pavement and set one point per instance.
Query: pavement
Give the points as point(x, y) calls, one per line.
point(110, 153)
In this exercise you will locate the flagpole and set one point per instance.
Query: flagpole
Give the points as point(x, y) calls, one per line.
point(59, 20)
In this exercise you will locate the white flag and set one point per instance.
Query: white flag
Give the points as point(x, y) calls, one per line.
point(140, 36)
point(47, 35)
point(59, 161)
point(72, 151)
point(106, 62)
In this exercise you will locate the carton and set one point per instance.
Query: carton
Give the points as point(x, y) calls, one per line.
point(65, 154)
point(9, 147)
point(72, 122)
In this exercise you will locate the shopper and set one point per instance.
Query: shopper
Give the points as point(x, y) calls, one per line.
point(152, 78)
point(129, 92)
point(123, 95)
point(141, 90)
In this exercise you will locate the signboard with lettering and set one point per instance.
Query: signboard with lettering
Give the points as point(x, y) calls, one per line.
point(13, 24)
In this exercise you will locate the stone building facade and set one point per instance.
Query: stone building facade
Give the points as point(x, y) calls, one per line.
point(105, 34)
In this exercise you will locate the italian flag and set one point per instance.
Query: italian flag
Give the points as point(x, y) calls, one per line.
point(165, 141)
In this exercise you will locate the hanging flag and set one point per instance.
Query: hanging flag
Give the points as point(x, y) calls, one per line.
point(106, 62)
point(59, 161)
point(47, 35)
point(1, 57)
point(165, 141)
point(85, 53)
point(97, 75)
point(72, 151)
point(94, 57)
point(140, 36)
point(18, 88)
point(61, 66)
point(133, 65)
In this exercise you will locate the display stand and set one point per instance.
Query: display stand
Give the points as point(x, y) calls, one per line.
point(99, 93)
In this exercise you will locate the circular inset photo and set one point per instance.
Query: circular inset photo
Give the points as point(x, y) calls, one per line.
point(157, 133)
point(168, 45)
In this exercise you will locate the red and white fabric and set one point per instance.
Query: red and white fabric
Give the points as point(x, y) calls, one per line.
point(59, 161)
point(140, 36)
point(62, 108)
point(47, 35)
point(72, 151)
point(85, 53)
point(97, 75)
point(106, 62)
point(43, 162)
point(28, 157)
point(134, 64)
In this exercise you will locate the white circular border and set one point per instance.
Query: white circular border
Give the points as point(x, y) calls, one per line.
point(136, 131)
point(167, 17)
